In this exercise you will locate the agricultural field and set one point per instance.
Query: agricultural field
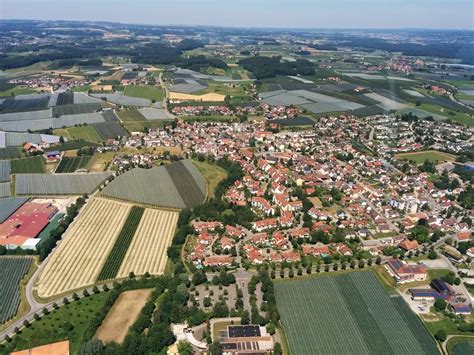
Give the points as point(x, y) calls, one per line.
point(87, 133)
point(317, 312)
point(5, 189)
point(12, 270)
point(85, 248)
point(145, 92)
point(31, 165)
point(109, 130)
point(71, 164)
point(178, 185)
point(139, 126)
point(124, 100)
point(454, 116)
point(460, 345)
point(10, 153)
point(51, 328)
point(5, 170)
point(131, 115)
point(430, 155)
point(122, 315)
point(148, 249)
point(64, 184)
point(212, 173)
point(120, 248)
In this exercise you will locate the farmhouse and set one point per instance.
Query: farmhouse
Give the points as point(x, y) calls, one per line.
point(246, 339)
point(20, 229)
point(404, 273)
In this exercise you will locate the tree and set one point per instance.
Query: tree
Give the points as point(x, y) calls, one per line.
point(271, 329)
point(199, 277)
point(185, 348)
point(440, 304)
point(215, 348)
point(245, 318)
point(441, 335)
point(432, 255)
point(277, 349)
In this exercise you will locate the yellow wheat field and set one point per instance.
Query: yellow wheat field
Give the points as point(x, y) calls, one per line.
point(84, 249)
point(148, 250)
point(205, 97)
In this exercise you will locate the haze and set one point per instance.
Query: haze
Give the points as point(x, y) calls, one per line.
point(432, 14)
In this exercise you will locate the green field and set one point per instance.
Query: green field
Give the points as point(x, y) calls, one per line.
point(87, 133)
point(145, 92)
point(233, 90)
point(51, 328)
point(31, 165)
point(117, 254)
point(214, 118)
point(449, 114)
point(84, 88)
point(131, 116)
point(430, 155)
point(15, 91)
point(349, 313)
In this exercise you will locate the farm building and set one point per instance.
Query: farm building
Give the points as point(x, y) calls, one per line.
point(461, 309)
point(246, 339)
point(22, 227)
point(403, 272)
point(426, 294)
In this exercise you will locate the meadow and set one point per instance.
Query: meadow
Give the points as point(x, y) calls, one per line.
point(430, 155)
point(145, 92)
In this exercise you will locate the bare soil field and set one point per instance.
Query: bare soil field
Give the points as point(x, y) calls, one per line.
point(122, 315)
point(206, 97)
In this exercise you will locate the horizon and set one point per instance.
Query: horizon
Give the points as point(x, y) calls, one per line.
point(299, 14)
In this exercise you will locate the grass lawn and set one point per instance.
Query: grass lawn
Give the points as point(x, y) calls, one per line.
point(213, 175)
point(51, 327)
point(233, 90)
point(437, 273)
point(449, 114)
point(145, 92)
point(87, 133)
point(437, 321)
point(31, 165)
point(16, 91)
point(431, 155)
point(209, 118)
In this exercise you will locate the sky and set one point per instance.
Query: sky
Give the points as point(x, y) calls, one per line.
point(433, 14)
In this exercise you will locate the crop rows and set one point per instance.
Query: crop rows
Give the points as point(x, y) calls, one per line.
point(12, 270)
point(347, 314)
point(148, 250)
point(71, 164)
point(62, 184)
point(178, 185)
point(186, 185)
point(81, 255)
point(109, 130)
point(31, 165)
point(117, 254)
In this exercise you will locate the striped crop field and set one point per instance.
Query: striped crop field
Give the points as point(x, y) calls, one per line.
point(177, 185)
point(71, 164)
point(349, 314)
point(148, 250)
point(84, 249)
point(115, 258)
point(12, 270)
